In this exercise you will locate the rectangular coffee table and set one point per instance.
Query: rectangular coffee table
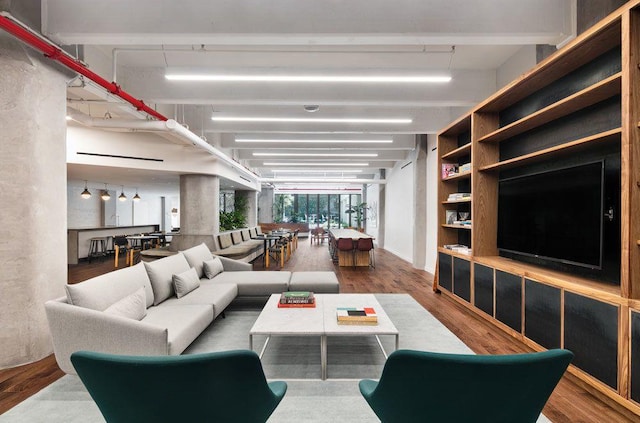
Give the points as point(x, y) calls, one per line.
point(320, 321)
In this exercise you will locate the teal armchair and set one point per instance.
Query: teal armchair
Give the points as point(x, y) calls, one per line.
point(418, 386)
point(227, 386)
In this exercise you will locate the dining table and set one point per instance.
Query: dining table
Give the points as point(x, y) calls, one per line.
point(268, 240)
point(354, 257)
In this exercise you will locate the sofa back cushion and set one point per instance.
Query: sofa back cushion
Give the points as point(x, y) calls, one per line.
point(161, 275)
point(105, 290)
point(236, 237)
point(253, 232)
point(246, 236)
point(196, 256)
point(225, 240)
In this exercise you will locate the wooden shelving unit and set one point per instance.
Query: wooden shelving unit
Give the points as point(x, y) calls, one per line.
point(521, 128)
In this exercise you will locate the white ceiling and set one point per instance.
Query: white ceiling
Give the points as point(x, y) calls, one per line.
point(466, 40)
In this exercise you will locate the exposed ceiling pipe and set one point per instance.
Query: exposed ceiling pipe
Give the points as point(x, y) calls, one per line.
point(52, 51)
point(167, 126)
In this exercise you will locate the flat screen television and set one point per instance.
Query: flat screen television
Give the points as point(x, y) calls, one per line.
point(555, 218)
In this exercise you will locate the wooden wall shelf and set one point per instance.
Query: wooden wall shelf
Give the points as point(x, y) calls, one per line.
point(589, 96)
point(467, 227)
point(464, 200)
point(571, 147)
point(464, 175)
point(465, 150)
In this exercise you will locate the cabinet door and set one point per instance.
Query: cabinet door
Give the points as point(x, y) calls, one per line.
point(591, 332)
point(462, 278)
point(444, 271)
point(509, 299)
point(635, 356)
point(542, 310)
point(483, 288)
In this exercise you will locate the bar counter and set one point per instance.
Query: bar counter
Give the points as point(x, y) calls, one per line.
point(78, 238)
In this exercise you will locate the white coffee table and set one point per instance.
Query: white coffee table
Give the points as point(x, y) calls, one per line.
point(320, 321)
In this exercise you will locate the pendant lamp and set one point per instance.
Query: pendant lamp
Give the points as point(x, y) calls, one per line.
point(85, 194)
point(105, 194)
point(122, 197)
point(136, 197)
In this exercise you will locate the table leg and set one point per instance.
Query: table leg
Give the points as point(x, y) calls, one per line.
point(264, 347)
point(323, 357)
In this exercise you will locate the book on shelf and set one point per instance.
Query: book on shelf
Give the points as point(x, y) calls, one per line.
point(466, 167)
point(297, 305)
point(459, 196)
point(297, 297)
point(449, 169)
point(356, 314)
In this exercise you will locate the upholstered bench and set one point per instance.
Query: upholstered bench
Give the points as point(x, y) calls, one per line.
point(318, 282)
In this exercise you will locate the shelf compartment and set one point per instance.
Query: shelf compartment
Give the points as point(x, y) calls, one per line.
point(464, 200)
point(457, 127)
point(572, 146)
point(596, 93)
point(465, 150)
point(464, 175)
point(444, 225)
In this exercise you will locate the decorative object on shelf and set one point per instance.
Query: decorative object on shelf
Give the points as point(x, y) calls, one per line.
point(122, 197)
point(449, 169)
point(463, 216)
point(451, 216)
point(86, 193)
point(105, 194)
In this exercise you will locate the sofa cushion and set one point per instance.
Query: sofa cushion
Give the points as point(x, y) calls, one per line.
point(256, 283)
point(213, 267)
point(253, 232)
point(217, 295)
point(196, 256)
point(236, 237)
point(102, 291)
point(161, 275)
point(133, 306)
point(319, 282)
point(224, 240)
point(184, 323)
point(185, 282)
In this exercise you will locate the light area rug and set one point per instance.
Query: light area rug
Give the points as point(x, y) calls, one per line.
point(295, 360)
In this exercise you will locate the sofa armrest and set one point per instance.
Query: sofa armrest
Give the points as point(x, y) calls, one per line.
point(76, 328)
point(231, 265)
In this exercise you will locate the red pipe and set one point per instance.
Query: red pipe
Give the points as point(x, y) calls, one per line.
point(55, 53)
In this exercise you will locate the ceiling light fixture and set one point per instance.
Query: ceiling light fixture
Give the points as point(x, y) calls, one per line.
point(316, 164)
point(311, 108)
point(136, 197)
point(122, 197)
point(340, 141)
point(105, 194)
point(315, 154)
point(86, 194)
point(310, 120)
point(374, 79)
point(316, 171)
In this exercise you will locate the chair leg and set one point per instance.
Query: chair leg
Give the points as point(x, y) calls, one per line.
point(116, 254)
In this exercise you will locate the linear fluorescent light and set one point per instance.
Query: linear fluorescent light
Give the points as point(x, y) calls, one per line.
point(316, 171)
point(309, 120)
point(316, 164)
point(316, 179)
point(256, 140)
point(315, 154)
point(376, 79)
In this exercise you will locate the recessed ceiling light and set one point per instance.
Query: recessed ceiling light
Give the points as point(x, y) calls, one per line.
point(309, 120)
point(316, 164)
point(315, 154)
point(324, 141)
point(374, 79)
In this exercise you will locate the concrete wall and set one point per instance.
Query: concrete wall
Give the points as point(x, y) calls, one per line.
point(34, 200)
point(432, 204)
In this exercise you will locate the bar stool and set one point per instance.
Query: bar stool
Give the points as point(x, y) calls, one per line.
point(366, 244)
point(346, 247)
point(97, 247)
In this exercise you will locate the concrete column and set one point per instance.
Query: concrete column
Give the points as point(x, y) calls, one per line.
point(199, 214)
point(382, 194)
point(265, 206)
point(252, 208)
point(33, 187)
point(420, 203)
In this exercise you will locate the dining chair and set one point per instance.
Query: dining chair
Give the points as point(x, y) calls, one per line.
point(227, 386)
point(120, 245)
point(419, 386)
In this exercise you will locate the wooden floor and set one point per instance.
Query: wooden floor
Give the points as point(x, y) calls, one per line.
point(570, 402)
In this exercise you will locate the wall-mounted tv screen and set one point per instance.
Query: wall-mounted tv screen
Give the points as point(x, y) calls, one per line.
point(554, 216)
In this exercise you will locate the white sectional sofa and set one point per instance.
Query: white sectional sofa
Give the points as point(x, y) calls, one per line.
point(159, 307)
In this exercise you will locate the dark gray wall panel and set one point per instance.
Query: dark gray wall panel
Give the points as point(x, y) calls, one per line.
point(591, 332)
point(542, 311)
point(483, 288)
point(635, 356)
point(509, 299)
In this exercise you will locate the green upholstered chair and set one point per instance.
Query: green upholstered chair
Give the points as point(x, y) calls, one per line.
point(227, 386)
point(418, 386)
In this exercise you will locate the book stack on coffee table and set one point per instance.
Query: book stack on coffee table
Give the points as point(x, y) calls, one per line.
point(292, 299)
point(356, 316)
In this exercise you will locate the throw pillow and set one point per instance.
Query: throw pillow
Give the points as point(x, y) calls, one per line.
point(212, 267)
point(185, 282)
point(132, 306)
